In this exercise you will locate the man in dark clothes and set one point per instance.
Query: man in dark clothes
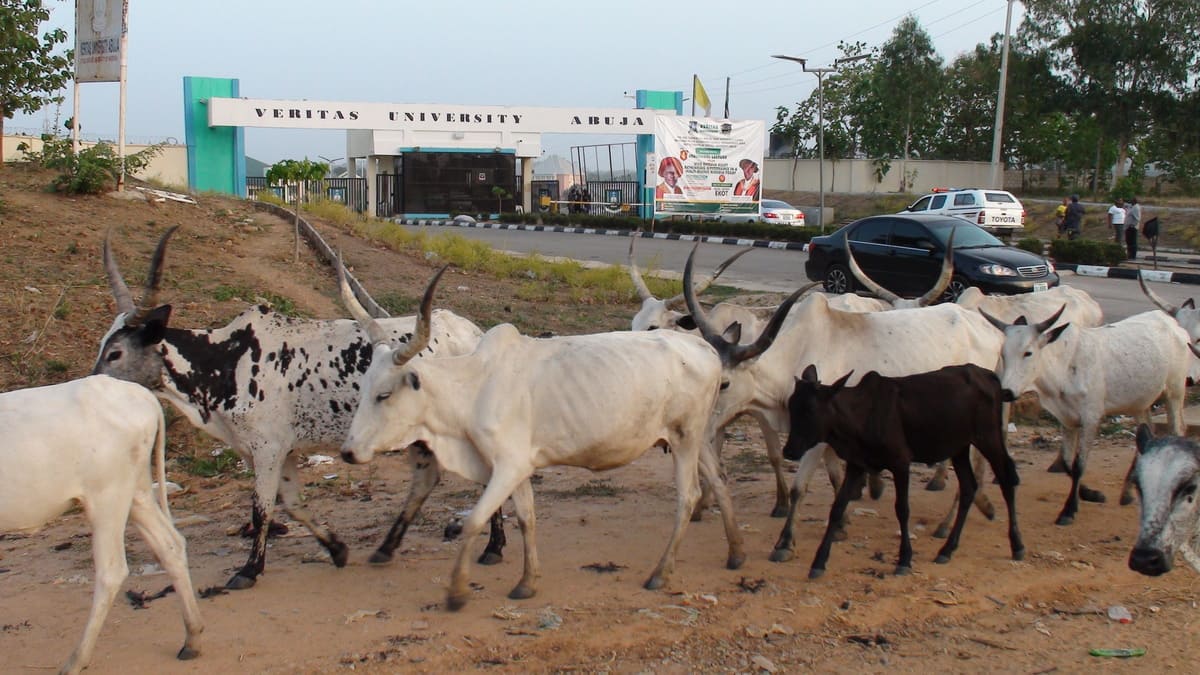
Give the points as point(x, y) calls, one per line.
point(1073, 222)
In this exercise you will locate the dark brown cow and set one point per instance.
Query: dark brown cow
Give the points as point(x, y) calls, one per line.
point(891, 422)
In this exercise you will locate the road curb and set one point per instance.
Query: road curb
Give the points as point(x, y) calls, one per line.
point(1082, 270)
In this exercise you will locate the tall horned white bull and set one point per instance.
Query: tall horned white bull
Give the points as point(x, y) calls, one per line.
point(91, 441)
point(1186, 314)
point(518, 404)
point(1083, 374)
point(893, 343)
point(269, 385)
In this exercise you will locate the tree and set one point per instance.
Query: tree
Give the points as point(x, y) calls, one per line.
point(899, 101)
point(32, 70)
point(500, 194)
point(1124, 58)
point(297, 171)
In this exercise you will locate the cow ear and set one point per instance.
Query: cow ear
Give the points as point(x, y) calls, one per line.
point(1020, 321)
point(154, 328)
point(733, 333)
point(1144, 436)
point(686, 322)
point(1054, 333)
point(1188, 304)
point(837, 386)
point(810, 374)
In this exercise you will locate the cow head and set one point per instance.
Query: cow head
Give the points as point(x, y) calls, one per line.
point(392, 402)
point(810, 409)
point(130, 350)
point(1186, 314)
point(1166, 473)
point(897, 302)
point(1020, 360)
point(655, 313)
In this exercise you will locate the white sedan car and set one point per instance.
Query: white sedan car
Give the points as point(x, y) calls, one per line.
point(781, 213)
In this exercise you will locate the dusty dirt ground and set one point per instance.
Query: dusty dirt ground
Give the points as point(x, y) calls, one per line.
point(980, 612)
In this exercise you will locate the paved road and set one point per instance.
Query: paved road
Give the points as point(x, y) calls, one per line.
point(768, 269)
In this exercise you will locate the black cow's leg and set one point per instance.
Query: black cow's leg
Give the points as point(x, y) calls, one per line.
point(494, 553)
point(852, 485)
point(260, 514)
point(1008, 487)
point(426, 474)
point(785, 545)
point(967, 485)
point(900, 475)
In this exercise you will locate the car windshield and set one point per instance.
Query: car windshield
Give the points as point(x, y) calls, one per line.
point(775, 204)
point(965, 236)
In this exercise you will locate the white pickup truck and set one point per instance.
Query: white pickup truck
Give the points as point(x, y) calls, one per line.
point(996, 211)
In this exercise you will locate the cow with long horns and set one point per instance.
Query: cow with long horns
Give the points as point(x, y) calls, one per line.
point(268, 385)
point(518, 404)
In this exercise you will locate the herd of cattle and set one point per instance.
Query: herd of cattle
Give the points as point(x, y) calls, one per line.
point(908, 381)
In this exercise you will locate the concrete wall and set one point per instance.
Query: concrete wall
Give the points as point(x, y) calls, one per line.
point(858, 175)
point(168, 168)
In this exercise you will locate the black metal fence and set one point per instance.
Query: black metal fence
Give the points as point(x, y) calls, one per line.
point(351, 192)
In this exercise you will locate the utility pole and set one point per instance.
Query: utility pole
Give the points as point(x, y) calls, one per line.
point(998, 129)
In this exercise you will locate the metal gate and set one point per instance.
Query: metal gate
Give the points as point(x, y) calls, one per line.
point(351, 192)
point(389, 195)
point(613, 197)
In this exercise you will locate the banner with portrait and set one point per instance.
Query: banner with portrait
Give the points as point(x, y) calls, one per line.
point(99, 26)
point(708, 166)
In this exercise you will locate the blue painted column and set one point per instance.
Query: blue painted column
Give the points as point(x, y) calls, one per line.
point(652, 100)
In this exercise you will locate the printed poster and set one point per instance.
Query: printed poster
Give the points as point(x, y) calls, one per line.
point(708, 166)
point(99, 25)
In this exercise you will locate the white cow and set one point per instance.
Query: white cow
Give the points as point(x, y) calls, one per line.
point(269, 385)
point(518, 404)
point(1186, 314)
point(892, 343)
point(1082, 374)
point(91, 441)
point(1166, 472)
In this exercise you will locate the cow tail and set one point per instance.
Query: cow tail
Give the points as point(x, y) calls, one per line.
point(160, 458)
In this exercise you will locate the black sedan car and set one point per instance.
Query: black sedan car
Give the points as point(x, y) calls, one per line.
point(903, 253)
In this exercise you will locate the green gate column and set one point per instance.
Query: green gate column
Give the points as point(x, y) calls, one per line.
point(216, 156)
point(652, 100)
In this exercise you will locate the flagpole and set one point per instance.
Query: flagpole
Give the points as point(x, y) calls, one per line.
point(726, 98)
point(693, 95)
point(121, 103)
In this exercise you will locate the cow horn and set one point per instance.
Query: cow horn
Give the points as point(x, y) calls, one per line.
point(375, 332)
point(1000, 325)
point(708, 281)
point(421, 339)
point(153, 280)
point(1041, 326)
point(643, 292)
point(879, 291)
point(120, 291)
point(767, 337)
point(947, 274)
point(1162, 304)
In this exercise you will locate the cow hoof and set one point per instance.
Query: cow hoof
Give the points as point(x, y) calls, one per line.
point(875, 490)
point(816, 573)
point(782, 555)
point(1064, 520)
point(902, 571)
point(697, 515)
point(936, 484)
point(654, 583)
point(1058, 466)
point(840, 534)
point(339, 552)
point(380, 557)
point(735, 561)
point(989, 511)
point(240, 582)
point(1090, 495)
point(452, 530)
point(490, 558)
point(942, 559)
point(1126, 500)
point(942, 531)
point(780, 511)
point(455, 602)
point(521, 592)
point(186, 653)
point(1019, 554)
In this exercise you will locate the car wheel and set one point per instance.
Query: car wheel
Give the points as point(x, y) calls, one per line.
point(837, 280)
point(954, 289)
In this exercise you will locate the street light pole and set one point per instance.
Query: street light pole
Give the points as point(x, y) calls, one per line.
point(820, 73)
point(997, 130)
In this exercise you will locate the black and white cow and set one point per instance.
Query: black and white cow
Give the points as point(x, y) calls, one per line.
point(1166, 472)
point(269, 385)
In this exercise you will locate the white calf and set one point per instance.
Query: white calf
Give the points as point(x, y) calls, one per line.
point(89, 441)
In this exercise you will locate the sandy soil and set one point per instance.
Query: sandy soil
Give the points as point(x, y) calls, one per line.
point(980, 612)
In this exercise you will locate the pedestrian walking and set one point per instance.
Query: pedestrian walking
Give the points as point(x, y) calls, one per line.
point(1073, 221)
point(1133, 219)
point(1060, 217)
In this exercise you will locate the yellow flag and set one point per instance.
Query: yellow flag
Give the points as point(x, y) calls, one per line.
point(700, 97)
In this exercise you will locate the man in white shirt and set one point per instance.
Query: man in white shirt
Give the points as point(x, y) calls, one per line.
point(1116, 218)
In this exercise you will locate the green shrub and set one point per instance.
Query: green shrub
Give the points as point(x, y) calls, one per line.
point(93, 170)
point(1087, 251)
point(1032, 244)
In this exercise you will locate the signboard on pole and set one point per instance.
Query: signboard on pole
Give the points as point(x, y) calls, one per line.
point(99, 26)
point(708, 166)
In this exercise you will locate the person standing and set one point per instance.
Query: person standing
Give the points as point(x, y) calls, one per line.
point(1133, 220)
point(1116, 219)
point(1073, 220)
point(1060, 217)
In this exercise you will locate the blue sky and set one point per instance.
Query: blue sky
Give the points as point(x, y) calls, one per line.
point(488, 52)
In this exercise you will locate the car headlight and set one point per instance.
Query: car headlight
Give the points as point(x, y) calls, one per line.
point(1050, 265)
point(998, 270)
